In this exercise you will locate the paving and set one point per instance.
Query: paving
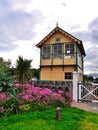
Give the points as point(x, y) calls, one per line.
point(87, 106)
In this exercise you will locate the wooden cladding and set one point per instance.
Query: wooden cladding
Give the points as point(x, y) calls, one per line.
point(57, 73)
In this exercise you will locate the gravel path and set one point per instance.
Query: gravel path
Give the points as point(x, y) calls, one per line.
point(90, 106)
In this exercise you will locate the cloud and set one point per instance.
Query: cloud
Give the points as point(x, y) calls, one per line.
point(92, 55)
point(93, 27)
point(16, 24)
point(91, 59)
point(64, 4)
point(7, 47)
point(21, 24)
point(4, 8)
point(90, 36)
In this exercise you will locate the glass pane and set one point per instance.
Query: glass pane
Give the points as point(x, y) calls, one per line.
point(58, 51)
point(69, 50)
point(71, 45)
point(46, 52)
point(68, 75)
point(67, 45)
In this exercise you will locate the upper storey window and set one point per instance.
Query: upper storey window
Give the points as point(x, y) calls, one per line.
point(57, 51)
point(46, 52)
point(69, 50)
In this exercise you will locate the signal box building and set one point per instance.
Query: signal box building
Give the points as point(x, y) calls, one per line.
point(60, 55)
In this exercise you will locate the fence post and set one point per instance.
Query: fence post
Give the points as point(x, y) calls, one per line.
point(80, 90)
point(75, 86)
point(58, 113)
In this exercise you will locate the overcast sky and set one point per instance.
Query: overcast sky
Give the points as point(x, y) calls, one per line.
point(23, 23)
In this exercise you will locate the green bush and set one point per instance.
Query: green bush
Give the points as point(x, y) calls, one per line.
point(6, 81)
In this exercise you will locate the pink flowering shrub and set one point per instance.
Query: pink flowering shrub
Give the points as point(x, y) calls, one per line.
point(1, 110)
point(2, 97)
point(33, 98)
point(3, 100)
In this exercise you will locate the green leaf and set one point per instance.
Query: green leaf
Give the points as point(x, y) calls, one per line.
point(1, 88)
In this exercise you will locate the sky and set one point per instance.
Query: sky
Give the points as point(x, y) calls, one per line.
point(24, 23)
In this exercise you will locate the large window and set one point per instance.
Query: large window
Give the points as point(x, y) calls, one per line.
point(68, 75)
point(69, 50)
point(46, 52)
point(57, 51)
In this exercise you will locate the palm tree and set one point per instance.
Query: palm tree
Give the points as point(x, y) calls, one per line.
point(23, 67)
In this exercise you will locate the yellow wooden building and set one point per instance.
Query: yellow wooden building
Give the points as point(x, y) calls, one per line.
point(60, 55)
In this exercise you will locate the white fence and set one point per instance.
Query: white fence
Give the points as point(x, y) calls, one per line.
point(88, 92)
point(84, 92)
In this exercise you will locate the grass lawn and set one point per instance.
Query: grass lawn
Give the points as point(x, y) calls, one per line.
point(72, 119)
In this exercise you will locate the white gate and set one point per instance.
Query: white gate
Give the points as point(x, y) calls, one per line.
point(88, 92)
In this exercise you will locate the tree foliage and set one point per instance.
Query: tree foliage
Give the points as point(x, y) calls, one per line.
point(6, 81)
point(23, 67)
point(85, 78)
point(90, 78)
point(35, 73)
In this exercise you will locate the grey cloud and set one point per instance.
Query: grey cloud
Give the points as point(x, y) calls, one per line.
point(93, 27)
point(90, 35)
point(4, 8)
point(72, 27)
point(20, 1)
point(4, 4)
point(64, 4)
point(7, 47)
point(16, 25)
point(84, 35)
point(21, 24)
point(92, 55)
point(90, 68)
point(92, 59)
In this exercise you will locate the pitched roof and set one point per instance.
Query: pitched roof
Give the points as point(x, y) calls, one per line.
point(58, 29)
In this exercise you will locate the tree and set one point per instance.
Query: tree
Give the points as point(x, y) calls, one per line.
point(85, 78)
point(90, 78)
point(6, 81)
point(23, 67)
point(95, 80)
point(35, 73)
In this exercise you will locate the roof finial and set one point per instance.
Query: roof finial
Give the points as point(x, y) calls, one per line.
point(57, 24)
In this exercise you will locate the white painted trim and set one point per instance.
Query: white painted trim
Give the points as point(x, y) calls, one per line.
point(75, 86)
